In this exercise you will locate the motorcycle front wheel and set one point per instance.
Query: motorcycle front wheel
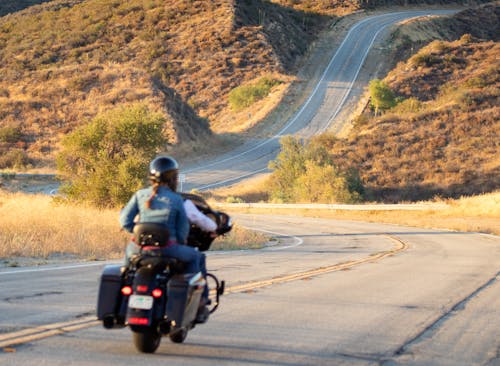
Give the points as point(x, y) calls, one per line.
point(147, 341)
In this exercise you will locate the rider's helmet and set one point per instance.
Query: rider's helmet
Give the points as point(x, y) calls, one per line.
point(164, 169)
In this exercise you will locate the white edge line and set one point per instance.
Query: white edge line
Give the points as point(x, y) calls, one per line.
point(298, 240)
point(44, 269)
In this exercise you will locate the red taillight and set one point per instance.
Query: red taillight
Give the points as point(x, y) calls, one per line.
point(126, 290)
point(142, 288)
point(138, 321)
point(157, 293)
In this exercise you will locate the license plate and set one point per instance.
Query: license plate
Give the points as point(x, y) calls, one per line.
point(140, 302)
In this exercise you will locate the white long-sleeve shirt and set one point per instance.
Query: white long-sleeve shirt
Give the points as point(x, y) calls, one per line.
point(196, 217)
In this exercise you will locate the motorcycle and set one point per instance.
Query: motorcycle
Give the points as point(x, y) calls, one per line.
point(153, 295)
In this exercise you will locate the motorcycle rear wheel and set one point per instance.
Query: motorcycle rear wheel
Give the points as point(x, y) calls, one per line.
point(178, 336)
point(147, 341)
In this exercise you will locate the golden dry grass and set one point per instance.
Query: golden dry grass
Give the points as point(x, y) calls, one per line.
point(35, 226)
point(469, 214)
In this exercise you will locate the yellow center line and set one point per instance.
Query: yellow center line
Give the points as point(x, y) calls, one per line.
point(49, 330)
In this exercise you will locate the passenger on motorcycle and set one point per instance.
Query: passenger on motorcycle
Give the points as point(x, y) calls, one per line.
point(161, 204)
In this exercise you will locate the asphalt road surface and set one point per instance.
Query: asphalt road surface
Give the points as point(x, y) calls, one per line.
point(327, 293)
point(318, 114)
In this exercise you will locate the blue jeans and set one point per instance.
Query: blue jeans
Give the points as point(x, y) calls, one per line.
point(194, 259)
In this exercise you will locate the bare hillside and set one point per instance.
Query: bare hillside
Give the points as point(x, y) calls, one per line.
point(64, 61)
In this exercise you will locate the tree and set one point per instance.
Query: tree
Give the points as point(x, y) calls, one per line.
point(288, 166)
point(382, 97)
point(306, 173)
point(105, 161)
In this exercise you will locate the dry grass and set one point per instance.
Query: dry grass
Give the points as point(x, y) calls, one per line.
point(469, 214)
point(35, 226)
point(65, 61)
point(240, 238)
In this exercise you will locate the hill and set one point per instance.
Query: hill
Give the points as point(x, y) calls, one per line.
point(442, 138)
point(64, 61)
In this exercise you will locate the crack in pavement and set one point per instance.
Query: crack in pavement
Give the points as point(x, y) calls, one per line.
point(23, 297)
point(435, 325)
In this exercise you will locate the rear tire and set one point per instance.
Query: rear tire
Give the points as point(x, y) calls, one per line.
point(147, 341)
point(178, 336)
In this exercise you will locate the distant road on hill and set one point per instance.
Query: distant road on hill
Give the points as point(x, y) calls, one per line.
point(318, 114)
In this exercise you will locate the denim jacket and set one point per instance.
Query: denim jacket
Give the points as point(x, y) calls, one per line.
point(166, 208)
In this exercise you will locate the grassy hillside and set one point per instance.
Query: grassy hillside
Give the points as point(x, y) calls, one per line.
point(480, 22)
point(64, 61)
point(443, 138)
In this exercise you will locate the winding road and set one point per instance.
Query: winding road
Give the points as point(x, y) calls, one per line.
point(327, 293)
point(318, 114)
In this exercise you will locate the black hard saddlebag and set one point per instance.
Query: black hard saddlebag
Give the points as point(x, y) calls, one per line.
point(109, 300)
point(184, 294)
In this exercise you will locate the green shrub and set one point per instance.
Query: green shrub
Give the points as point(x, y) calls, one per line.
point(306, 173)
point(106, 161)
point(410, 105)
point(382, 97)
point(246, 95)
point(14, 159)
point(10, 134)
point(424, 59)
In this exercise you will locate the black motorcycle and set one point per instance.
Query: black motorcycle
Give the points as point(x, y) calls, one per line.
point(153, 295)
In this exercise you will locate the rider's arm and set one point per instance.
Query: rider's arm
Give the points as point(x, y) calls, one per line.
point(128, 214)
point(182, 224)
point(196, 217)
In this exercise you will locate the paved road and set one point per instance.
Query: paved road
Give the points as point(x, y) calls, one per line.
point(318, 114)
point(402, 296)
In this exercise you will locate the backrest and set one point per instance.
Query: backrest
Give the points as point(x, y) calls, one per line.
point(151, 234)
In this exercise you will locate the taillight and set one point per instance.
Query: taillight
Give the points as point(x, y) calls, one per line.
point(157, 292)
point(142, 288)
point(138, 321)
point(126, 290)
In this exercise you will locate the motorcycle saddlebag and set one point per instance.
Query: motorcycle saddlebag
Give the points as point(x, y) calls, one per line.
point(183, 298)
point(109, 298)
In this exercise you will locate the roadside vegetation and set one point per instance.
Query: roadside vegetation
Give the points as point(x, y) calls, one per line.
point(41, 228)
point(105, 161)
point(480, 213)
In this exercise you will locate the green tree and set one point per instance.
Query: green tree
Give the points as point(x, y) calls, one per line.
point(306, 173)
point(105, 161)
point(288, 166)
point(382, 97)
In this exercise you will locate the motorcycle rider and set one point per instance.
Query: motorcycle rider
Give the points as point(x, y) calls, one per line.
point(160, 204)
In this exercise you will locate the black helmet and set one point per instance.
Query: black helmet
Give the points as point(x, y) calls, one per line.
point(164, 169)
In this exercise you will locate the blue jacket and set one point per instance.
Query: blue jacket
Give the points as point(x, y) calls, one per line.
point(166, 208)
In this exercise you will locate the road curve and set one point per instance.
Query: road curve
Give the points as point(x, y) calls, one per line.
point(318, 114)
point(433, 300)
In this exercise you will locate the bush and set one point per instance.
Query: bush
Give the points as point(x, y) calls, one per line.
point(306, 173)
point(106, 161)
point(424, 59)
point(14, 159)
point(382, 97)
point(10, 134)
point(246, 95)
